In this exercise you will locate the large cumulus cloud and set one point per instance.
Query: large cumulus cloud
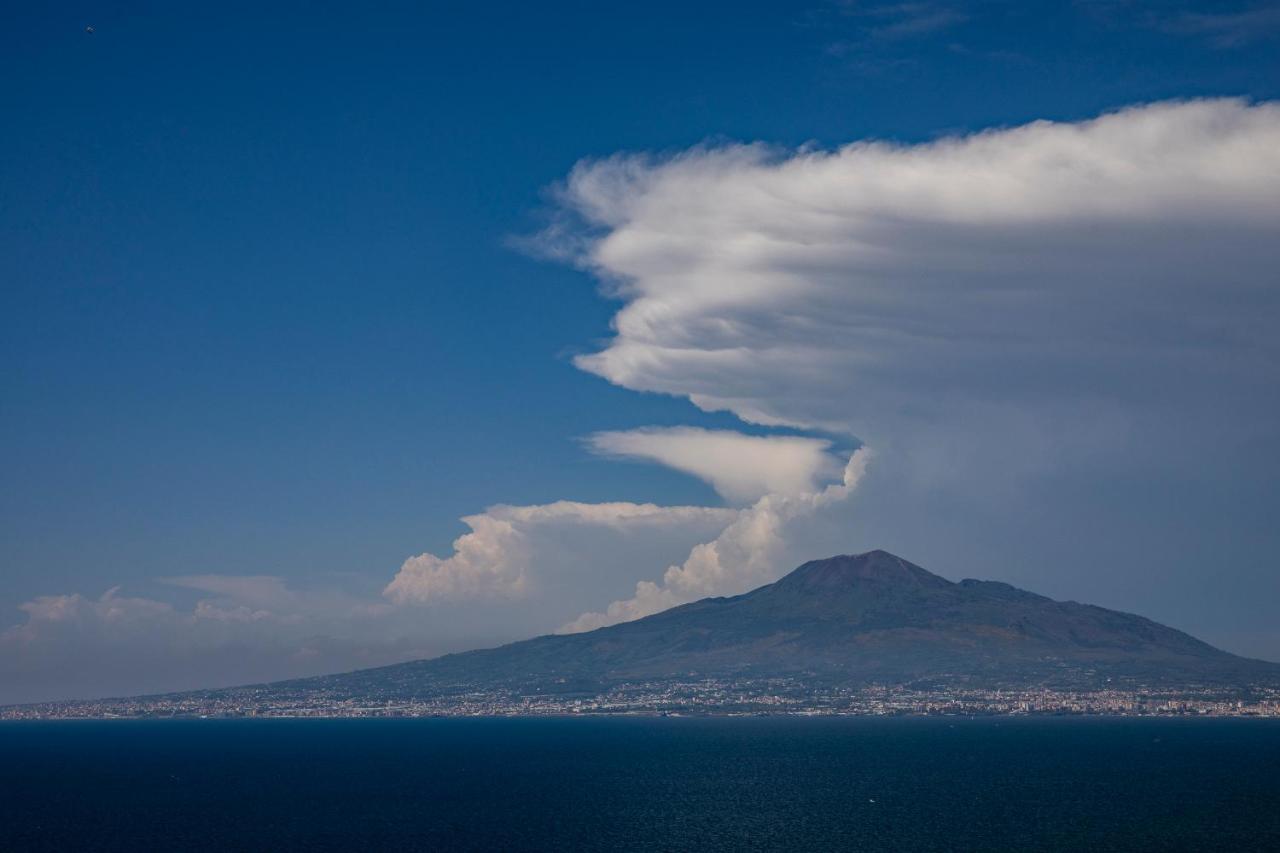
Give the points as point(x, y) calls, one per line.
point(501, 555)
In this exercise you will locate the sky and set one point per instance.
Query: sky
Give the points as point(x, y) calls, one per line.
point(331, 338)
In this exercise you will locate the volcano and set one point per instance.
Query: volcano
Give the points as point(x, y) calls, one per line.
point(854, 620)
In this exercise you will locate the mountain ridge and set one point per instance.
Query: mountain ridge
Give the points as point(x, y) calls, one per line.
point(858, 619)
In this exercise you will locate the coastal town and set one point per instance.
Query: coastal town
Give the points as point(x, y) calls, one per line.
point(704, 697)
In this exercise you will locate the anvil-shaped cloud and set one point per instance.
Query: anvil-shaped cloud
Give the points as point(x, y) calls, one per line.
point(1120, 265)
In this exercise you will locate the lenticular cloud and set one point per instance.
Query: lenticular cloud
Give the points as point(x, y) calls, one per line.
point(883, 289)
point(742, 468)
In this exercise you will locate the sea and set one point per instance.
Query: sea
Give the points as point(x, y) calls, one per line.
point(642, 783)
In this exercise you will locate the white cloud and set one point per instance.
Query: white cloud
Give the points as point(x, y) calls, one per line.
point(742, 468)
point(495, 559)
point(1032, 296)
point(110, 609)
point(748, 553)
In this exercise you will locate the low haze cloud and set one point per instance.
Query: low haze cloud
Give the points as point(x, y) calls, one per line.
point(247, 629)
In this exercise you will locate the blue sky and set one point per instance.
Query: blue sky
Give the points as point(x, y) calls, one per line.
point(274, 304)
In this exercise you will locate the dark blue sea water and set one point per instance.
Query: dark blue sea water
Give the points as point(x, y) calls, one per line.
point(642, 784)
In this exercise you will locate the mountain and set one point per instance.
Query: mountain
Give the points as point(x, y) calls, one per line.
point(856, 620)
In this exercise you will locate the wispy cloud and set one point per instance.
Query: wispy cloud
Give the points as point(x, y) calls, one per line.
point(863, 32)
point(1219, 25)
point(908, 20)
point(1226, 29)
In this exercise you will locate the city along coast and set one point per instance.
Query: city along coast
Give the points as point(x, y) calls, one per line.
point(707, 697)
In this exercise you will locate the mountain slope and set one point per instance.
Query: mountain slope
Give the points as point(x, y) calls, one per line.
point(867, 618)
